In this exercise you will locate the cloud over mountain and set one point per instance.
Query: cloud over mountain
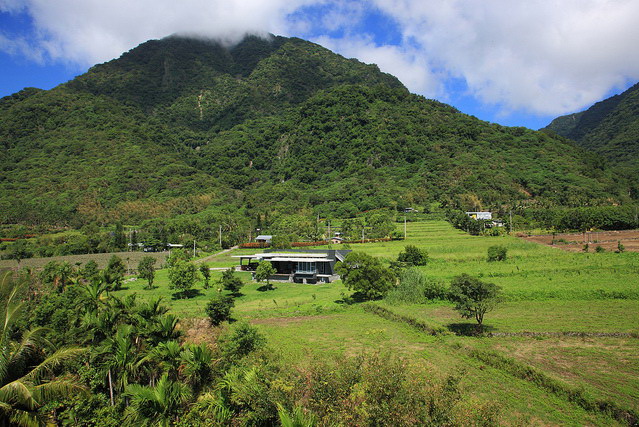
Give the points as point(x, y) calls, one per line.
point(539, 56)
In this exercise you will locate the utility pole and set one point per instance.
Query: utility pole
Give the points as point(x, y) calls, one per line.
point(220, 236)
point(404, 227)
point(511, 221)
point(193, 248)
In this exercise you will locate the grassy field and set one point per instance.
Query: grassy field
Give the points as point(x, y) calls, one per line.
point(571, 318)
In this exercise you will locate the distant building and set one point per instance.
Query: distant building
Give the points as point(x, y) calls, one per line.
point(174, 246)
point(336, 240)
point(480, 215)
point(410, 210)
point(264, 238)
point(309, 266)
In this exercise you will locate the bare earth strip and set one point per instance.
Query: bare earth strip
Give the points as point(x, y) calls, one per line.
point(574, 242)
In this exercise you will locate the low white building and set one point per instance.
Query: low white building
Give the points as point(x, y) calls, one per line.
point(480, 215)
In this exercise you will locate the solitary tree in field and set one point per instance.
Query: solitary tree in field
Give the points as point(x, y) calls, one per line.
point(265, 270)
point(206, 274)
point(366, 275)
point(182, 276)
point(146, 270)
point(472, 297)
point(231, 282)
point(412, 255)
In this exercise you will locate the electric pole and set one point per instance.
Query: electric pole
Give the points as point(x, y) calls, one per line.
point(404, 227)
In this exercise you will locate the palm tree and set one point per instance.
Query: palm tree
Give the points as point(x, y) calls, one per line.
point(157, 405)
point(122, 359)
point(198, 365)
point(166, 355)
point(23, 385)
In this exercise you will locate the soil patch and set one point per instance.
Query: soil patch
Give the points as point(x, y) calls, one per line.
point(574, 242)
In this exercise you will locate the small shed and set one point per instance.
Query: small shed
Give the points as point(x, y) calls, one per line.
point(336, 240)
point(264, 238)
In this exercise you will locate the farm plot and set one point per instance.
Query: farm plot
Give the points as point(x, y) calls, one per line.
point(574, 242)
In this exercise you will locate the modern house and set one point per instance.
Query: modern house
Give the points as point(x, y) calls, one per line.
point(480, 215)
point(298, 266)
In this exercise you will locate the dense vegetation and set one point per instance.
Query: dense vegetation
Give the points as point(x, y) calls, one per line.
point(609, 128)
point(184, 127)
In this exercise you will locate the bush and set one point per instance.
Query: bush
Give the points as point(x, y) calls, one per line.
point(412, 255)
point(240, 341)
point(415, 287)
point(219, 309)
point(497, 253)
point(599, 249)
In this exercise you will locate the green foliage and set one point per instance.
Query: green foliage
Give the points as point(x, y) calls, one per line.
point(415, 287)
point(497, 253)
point(264, 271)
point(281, 241)
point(174, 130)
point(412, 255)
point(620, 247)
point(182, 277)
point(240, 341)
point(158, 405)
point(218, 309)
point(365, 275)
point(206, 274)
point(26, 371)
point(113, 274)
point(231, 282)
point(472, 297)
point(146, 270)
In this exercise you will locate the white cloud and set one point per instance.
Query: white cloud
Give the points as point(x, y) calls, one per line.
point(91, 31)
point(540, 56)
point(405, 63)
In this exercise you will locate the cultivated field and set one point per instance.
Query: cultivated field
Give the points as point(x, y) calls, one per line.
point(575, 242)
point(563, 347)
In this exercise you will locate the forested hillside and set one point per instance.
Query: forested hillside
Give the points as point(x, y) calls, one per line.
point(610, 127)
point(180, 126)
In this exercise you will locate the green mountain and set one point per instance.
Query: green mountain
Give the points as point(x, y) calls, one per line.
point(610, 127)
point(280, 125)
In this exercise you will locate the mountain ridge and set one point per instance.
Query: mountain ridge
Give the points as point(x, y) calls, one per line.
point(284, 125)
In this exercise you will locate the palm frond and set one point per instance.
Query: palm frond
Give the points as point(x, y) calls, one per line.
point(54, 361)
point(58, 388)
point(25, 418)
point(17, 393)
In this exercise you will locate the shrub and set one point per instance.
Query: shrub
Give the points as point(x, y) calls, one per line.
point(620, 247)
point(599, 249)
point(497, 253)
point(415, 287)
point(240, 341)
point(412, 255)
point(219, 309)
point(230, 281)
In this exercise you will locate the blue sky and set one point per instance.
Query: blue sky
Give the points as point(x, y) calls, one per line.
point(514, 63)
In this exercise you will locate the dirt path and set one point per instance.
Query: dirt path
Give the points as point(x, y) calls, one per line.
point(210, 257)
